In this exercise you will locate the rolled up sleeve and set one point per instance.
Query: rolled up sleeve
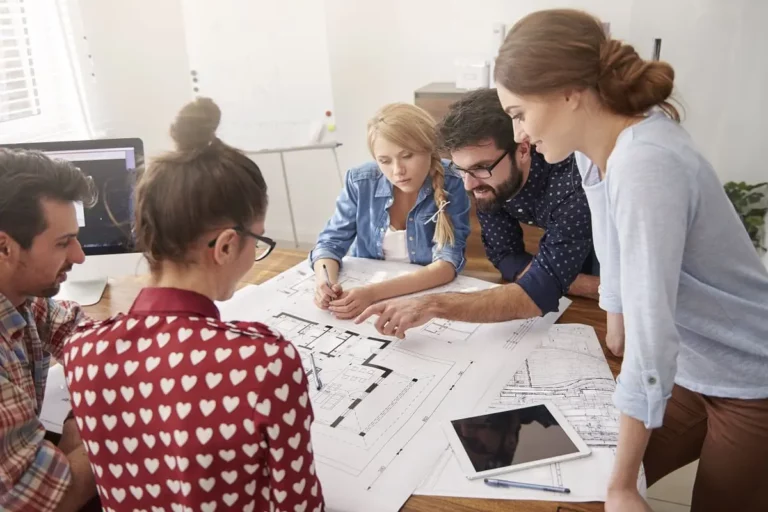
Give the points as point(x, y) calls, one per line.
point(562, 251)
point(458, 211)
point(652, 202)
point(340, 231)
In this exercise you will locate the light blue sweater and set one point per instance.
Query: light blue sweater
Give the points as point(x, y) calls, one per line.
point(676, 260)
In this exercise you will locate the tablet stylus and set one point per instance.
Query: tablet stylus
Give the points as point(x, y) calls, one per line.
point(493, 482)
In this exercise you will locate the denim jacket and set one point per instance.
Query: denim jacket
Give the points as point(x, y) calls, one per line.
point(362, 218)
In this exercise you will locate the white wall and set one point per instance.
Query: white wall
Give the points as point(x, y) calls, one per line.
point(381, 52)
point(138, 55)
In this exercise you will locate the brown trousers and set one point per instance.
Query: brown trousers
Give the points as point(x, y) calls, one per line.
point(729, 436)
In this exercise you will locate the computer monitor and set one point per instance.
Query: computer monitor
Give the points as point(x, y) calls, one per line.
point(105, 229)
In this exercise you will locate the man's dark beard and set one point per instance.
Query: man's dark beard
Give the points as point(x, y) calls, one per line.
point(505, 191)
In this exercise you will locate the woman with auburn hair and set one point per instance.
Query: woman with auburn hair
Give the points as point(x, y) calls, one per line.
point(408, 206)
point(680, 279)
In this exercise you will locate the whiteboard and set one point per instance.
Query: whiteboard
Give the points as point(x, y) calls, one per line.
point(265, 63)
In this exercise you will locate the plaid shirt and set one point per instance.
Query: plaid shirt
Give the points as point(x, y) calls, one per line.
point(34, 474)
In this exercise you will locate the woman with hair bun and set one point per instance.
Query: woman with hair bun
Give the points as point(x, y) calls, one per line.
point(177, 409)
point(680, 279)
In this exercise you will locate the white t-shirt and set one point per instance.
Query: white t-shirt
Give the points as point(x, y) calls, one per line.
point(395, 246)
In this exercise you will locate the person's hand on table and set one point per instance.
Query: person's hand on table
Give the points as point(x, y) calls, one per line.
point(351, 303)
point(396, 316)
point(324, 294)
point(626, 500)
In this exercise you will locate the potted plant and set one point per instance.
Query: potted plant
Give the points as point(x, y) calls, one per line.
point(751, 203)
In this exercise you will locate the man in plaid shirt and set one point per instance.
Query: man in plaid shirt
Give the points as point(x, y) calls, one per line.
point(38, 245)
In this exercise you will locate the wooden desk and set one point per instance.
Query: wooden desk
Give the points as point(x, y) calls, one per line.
point(120, 294)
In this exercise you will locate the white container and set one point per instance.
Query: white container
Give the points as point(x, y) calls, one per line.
point(472, 74)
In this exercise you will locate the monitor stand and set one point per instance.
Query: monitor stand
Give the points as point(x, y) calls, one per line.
point(85, 293)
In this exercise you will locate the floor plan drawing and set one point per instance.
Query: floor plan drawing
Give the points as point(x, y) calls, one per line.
point(368, 386)
point(569, 370)
point(378, 415)
point(448, 330)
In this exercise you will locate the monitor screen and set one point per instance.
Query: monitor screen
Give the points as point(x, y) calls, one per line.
point(105, 228)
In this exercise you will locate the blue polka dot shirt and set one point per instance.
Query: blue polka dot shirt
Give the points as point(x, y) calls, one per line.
point(553, 199)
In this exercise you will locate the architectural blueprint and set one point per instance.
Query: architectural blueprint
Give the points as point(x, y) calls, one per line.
point(377, 428)
point(567, 368)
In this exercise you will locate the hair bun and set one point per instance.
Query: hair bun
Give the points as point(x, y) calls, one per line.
point(630, 85)
point(195, 125)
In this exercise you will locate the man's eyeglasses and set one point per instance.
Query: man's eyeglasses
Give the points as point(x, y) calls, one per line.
point(264, 245)
point(481, 172)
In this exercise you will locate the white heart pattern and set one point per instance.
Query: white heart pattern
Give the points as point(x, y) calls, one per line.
point(227, 431)
point(153, 489)
point(206, 334)
point(162, 339)
point(149, 440)
point(188, 382)
point(273, 432)
point(275, 367)
point(290, 417)
point(110, 369)
point(222, 354)
point(213, 379)
point(127, 393)
point(207, 407)
point(270, 349)
point(204, 434)
point(145, 388)
point(151, 321)
point(237, 376)
point(167, 385)
point(264, 407)
point(92, 371)
point(146, 415)
point(207, 483)
point(227, 455)
point(252, 398)
point(101, 346)
point(282, 392)
point(204, 460)
point(184, 334)
point(152, 363)
point(246, 351)
point(230, 403)
point(144, 344)
point(109, 395)
point(151, 465)
point(229, 476)
point(175, 358)
point(130, 367)
point(122, 346)
point(183, 409)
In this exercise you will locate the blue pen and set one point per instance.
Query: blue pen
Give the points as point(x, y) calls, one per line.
point(493, 482)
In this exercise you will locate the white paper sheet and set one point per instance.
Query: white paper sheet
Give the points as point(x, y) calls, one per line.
point(567, 368)
point(56, 404)
point(377, 430)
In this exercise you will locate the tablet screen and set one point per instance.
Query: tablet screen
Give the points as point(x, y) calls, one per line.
point(508, 438)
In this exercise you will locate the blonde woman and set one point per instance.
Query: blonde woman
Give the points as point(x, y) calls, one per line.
point(407, 205)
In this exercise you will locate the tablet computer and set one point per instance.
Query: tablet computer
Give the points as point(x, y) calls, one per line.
point(513, 439)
